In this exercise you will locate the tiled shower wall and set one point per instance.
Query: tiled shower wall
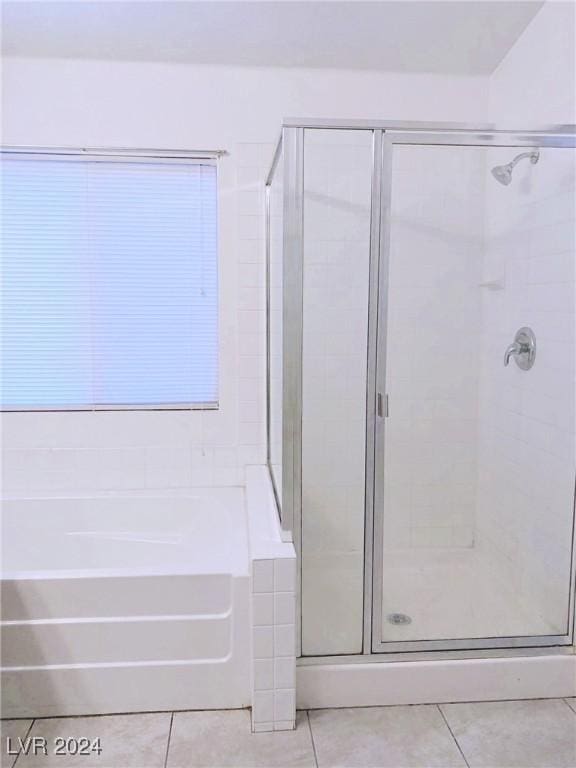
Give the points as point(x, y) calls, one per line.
point(433, 328)
point(527, 452)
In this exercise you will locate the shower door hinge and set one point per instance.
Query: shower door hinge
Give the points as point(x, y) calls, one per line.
point(382, 405)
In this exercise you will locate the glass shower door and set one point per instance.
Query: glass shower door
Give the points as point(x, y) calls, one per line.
point(474, 495)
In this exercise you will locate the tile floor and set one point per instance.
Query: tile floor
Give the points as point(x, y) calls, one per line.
point(511, 734)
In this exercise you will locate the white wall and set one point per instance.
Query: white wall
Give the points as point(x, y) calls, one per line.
point(527, 419)
point(176, 106)
point(535, 84)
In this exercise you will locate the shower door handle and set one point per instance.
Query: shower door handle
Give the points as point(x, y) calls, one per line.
point(382, 405)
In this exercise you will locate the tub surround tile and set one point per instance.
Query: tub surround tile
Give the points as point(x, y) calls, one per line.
point(223, 739)
point(263, 642)
point(10, 732)
point(284, 705)
point(515, 734)
point(273, 587)
point(284, 673)
point(284, 574)
point(130, 741)
point(384, 737)
point(284, 640)
point(284, 607)
point(264, 674)
point(263, 609)
point(262, 576)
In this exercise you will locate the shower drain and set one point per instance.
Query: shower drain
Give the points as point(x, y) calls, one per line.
point(398, 618)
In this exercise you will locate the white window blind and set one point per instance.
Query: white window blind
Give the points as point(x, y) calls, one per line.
point(109, 283)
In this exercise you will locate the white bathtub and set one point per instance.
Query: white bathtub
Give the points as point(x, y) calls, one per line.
point(122, 603)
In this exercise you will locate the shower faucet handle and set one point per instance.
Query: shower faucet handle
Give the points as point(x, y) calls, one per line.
point(523, 349)
point(512, 349)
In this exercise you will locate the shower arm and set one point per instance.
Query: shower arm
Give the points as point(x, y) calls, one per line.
point(533, 155)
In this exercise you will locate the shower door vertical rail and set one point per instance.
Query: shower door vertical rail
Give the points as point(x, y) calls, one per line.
point(292, 271)
point(456, 138)
point(372, 389)
point(379, 378)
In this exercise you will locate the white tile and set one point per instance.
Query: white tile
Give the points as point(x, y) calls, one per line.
point(249, 175)
point(384, 737)
point(251, 297)
point(249, 455)
point(284, 704)
point(284, 725)
point(284, 608)
point(251, 321)
point(251, 411)
point(223, 739)
point(263, 609)
point(201, 466)
point(514, 733)
point(250, 227)
point(263, 706)
point(284, 574)
point(263, 674)
point(262, 727)
point(248, 154)
point(225, 457)
point(249, 251)
point(262, 576)
point(126, 740)
point(117, 468)
point(252, 275)
point(250, 201)
point(263, 642)
point(285, 672)
point(251, 344)
point(251, 433)
point(10, 732)
point(284, 640)
point(168, 466)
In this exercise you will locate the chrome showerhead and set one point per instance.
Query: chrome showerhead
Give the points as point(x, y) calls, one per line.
point(503, 173)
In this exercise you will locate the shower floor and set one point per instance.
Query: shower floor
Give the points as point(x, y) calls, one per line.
point(451, 594)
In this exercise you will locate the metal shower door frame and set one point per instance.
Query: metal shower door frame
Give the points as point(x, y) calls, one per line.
point(375, 555)
point(289, 497)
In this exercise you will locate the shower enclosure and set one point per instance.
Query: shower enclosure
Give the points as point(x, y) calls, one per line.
point(421, 397)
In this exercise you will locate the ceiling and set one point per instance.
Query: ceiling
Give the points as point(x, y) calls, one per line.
point(467, 37)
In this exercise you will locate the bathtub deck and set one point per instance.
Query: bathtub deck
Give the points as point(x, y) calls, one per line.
point(196, 531)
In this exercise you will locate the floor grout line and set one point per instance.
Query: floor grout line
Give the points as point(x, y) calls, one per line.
point(568, 705)
point(439, 708)
point(312, 738)
point(25, 736)
point(168, 742)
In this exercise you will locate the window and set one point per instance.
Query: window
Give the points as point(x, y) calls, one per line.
point(109, 282)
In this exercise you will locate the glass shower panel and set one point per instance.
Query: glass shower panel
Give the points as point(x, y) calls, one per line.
point(337, 193)
point(478, 459)
point(275, 343)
